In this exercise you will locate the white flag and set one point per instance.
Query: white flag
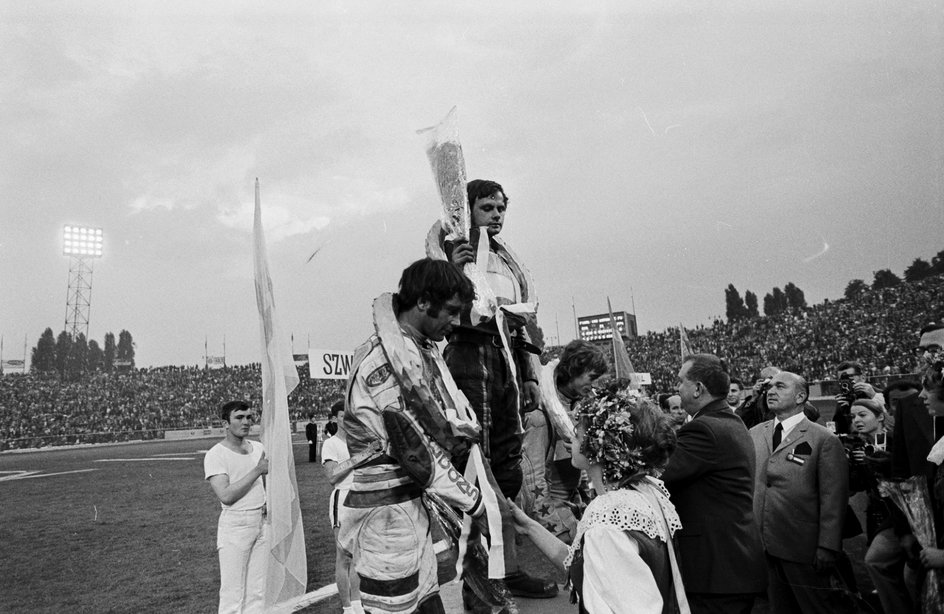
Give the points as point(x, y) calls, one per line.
point(287, 567)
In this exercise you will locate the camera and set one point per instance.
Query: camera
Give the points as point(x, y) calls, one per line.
point(853, 443)
point(847, 388)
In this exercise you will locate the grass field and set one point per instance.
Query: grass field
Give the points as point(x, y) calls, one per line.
point(132, 528)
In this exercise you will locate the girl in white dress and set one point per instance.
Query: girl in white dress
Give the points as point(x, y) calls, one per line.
point(623, 559)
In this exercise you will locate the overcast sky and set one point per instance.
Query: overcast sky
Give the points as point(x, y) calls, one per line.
point(654, 151)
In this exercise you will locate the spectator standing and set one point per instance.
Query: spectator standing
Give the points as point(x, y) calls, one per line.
point(311, 434)
point(234, 468)
point(801, 491)
point(852, 386)
point(711, 478)
point(870, 460)
point(671, 404)
point(735, 390)
point(754, 410)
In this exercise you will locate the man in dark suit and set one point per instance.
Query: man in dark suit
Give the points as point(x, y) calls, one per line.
point(311, 434)
point(800, 495)
point(711, 479)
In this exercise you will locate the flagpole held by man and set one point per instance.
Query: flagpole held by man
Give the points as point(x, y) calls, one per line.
point(286, 566)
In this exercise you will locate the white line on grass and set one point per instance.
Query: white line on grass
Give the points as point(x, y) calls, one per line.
point(35, 474)
point(130, 460)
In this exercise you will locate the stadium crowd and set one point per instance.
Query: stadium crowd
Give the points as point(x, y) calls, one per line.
point(876, 328)
point(141, 404)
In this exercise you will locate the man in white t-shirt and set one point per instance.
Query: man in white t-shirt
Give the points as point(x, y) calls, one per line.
point(234, 468)
point(333, 456)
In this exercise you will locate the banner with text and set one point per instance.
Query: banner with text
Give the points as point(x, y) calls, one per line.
point(13, 365)
point(329, 364)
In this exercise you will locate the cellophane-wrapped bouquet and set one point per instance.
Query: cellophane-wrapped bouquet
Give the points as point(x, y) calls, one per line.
point(448, 164)
point(912, 498)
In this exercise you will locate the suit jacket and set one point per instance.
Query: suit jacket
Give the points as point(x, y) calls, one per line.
point(913, 436)
point(311, 433)
point(711, 479)
point(801, 490)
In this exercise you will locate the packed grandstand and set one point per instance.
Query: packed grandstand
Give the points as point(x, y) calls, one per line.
point(877, 328)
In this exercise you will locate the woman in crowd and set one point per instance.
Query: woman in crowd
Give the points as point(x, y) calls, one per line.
point(623, 556)
point(869, 460)
point(870, 447)
point(932, 394)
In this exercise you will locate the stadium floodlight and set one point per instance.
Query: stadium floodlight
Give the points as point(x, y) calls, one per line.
point(81, 241)
point(82, 244)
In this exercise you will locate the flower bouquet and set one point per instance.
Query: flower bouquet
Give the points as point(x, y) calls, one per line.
point(912, 498)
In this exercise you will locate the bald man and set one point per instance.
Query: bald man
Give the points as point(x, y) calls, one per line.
point(801, 489)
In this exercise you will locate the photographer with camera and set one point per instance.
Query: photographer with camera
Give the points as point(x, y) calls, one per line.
point(869, 448)
point(852, 386)
point(754, 409)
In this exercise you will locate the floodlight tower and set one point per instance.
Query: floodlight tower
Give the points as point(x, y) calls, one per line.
point(82, 245)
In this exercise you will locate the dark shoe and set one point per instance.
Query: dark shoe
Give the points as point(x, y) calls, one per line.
point(472, 603)
point(522, 585)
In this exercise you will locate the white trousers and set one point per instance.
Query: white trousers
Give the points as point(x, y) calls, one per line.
point(241, 544)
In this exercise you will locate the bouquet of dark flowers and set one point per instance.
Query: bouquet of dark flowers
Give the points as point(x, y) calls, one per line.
point(912, 498)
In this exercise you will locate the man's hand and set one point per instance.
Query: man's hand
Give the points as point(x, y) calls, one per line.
point(841, 402)
point(824, 560)
point(932, 558)
point(864, 389)
point(462, 254)
point(530, 395)
point(263, 465)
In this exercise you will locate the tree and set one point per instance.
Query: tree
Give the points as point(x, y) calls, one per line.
point(919, 269)
point(937, 263)
point(108, 359)
point(750, 303)
point(63, 352)
point(44, 354)
point(734, 304)
point(780, 300)
point(854, 288)
point(125, 348)
point(885, 279)
point(78, 359)
point(795, 297)
point(769, 307)
point(96, 358)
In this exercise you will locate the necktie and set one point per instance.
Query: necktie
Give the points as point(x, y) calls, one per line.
point(778, 434)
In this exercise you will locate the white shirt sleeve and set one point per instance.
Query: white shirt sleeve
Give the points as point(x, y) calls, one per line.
point(616, 580)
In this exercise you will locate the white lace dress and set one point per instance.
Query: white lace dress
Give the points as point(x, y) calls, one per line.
point(616, 579)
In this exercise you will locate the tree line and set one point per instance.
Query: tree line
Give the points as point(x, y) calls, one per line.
point(919, 269)
point(791, 297)
point(776, 301)
point(72, 358)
